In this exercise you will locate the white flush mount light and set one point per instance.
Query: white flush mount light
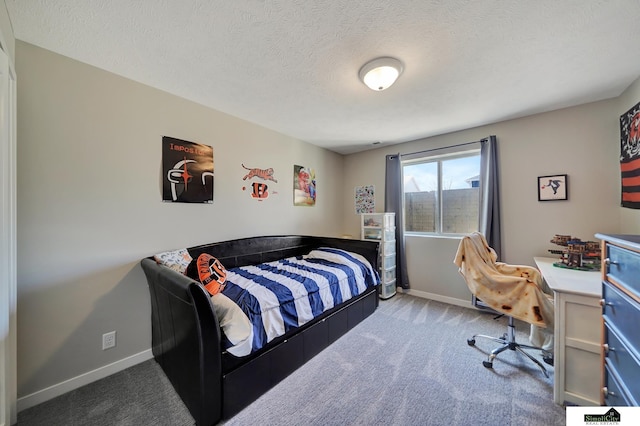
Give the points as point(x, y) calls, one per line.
point(380, 73)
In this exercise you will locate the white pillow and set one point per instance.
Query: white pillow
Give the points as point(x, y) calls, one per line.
point(178, 260)
point(234, 323)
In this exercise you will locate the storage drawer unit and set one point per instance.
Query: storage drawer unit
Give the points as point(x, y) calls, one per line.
point(381, 227)
point(620, 319)
point(371, 234)
point(389, 247)
point(388, 288)
point(389, 262)
point(389, 275)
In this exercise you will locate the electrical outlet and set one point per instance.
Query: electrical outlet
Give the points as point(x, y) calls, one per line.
point(108, 340)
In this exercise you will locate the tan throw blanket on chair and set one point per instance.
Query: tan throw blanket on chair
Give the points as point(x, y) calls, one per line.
point(514, 290)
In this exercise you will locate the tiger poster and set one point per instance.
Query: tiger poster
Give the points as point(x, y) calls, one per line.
point(187, 169)
point(630, 157)
point(304, 186)
point(259, 190)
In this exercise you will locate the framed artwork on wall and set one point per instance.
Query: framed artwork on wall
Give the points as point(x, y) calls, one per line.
point(304, 186)
point(257, 179)
point(552, 188)
point(187, 171)
point(630, 157)
point(365, 199)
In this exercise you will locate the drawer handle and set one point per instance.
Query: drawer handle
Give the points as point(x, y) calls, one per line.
point(607, 348)
point(608, 262)
point(603, 302)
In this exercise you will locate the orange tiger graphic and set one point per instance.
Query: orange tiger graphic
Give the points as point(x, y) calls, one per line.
point(264, 174)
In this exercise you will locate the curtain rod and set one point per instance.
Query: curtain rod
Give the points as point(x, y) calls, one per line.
point(445, 147)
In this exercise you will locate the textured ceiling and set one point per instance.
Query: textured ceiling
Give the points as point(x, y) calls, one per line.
point(292, 65)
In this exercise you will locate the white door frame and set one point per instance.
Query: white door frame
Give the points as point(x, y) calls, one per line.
point(8, 251)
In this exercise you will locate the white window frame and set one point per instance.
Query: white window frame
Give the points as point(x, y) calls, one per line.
point(437, 158)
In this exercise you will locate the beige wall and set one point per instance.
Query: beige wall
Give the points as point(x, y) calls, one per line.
point(89, 206)
point(7, 40)
point(581, 142)
point(629, 218)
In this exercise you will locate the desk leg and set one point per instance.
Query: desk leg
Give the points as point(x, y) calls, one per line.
point(558, 349)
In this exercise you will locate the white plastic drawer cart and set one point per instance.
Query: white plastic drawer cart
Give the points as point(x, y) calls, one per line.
point(382, 227)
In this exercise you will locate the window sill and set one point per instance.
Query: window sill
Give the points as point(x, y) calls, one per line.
point(434, 236)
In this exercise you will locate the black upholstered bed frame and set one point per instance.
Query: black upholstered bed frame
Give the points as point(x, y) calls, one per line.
point(186, 333)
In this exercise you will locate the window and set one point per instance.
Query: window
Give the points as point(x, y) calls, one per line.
point(442, 193)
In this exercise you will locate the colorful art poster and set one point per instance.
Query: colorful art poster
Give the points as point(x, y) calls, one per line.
point(365, 200)
point(304, 186)
point(630, 157)
point(187, 170)
point(259, 190)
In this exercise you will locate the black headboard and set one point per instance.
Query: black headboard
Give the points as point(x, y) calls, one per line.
point(254, 250)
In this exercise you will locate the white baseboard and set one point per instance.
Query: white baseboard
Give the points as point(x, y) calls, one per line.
point(81, 380)
point(438, 298)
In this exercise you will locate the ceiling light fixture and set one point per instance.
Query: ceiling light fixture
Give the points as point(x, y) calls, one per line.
point(380, 73)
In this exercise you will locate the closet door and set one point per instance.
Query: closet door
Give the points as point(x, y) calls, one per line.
point(8, 267)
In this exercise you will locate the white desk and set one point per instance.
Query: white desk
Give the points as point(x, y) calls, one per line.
point(577, 332)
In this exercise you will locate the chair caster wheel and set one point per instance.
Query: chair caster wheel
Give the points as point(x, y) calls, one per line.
point(471, 342)
point(487, 364)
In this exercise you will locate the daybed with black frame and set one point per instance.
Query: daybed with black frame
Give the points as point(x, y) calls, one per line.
point(187, 340)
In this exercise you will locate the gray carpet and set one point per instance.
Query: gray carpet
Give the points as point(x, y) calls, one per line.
point(140, 396)
point(407, 364)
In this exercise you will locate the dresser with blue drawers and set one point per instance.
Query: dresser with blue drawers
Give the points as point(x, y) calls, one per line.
point(621, 319)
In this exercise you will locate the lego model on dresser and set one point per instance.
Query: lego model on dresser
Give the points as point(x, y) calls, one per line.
point(620, 319)
point(382, 227)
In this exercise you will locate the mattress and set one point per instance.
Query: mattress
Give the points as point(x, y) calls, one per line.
point(262, 302)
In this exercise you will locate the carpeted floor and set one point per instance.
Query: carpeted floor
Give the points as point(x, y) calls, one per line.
point(407, 364)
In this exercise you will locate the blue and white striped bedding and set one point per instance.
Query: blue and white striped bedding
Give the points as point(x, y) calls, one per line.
point(279, 296)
